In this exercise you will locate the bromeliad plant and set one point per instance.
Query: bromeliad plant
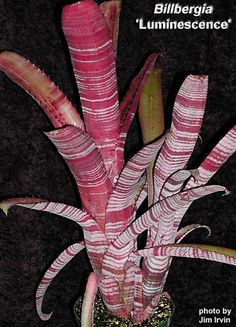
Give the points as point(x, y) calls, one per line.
point(130, 280)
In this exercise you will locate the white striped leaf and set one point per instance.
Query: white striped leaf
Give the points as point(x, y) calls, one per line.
point(61, 261)
point(213, 162)
point(188, 112)
point(198, 251)
point(215, 159)
point(112, 296)
point(120, 206)
point(96, 241)
point(138, 294)
point(162, 212)
point(175, 182)
point(85, 162)
point(90, 45)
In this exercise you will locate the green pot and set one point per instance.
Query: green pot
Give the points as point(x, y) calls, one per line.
point(102, 318)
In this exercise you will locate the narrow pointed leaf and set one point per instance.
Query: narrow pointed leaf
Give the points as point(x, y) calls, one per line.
point(151, 114)
point(188, 112)
point(216, 158)
point(128, 109)
point(198, 251)
point(117, 253)
point(121, 201)
point(175, 183)
point(60, 209)
point(93, 61)
point(183, 232)
point(86, 164)
point(111, 10)
point(55, 104)
point(151, 118)
point(130, 102)
point(62, 260)
point(96, 241)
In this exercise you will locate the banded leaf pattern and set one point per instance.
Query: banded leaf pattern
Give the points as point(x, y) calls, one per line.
point(198, 251)
point(156, 269)
point(224, 149)
point(62, 260)
point(95, 240)
point(120, 205)
point(216, 158)
point(92, 56)
point(85, 162)
point(188, 112)
point(187, 118)
point(175, 182)
point(112, 296)
point(138, 294)
point(118, 252)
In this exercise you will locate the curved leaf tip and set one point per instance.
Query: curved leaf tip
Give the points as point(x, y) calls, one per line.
point(227, 192)
point(7, 204)
point(5, 207)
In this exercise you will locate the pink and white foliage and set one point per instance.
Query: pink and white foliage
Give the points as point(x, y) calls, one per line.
point(112, 191)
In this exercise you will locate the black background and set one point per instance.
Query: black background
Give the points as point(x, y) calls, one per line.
point(30, 166)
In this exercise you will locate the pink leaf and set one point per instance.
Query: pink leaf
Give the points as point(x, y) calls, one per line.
point(51, 273)
point(112, 296)
point(151, 307)
point(121, 201)
point(155, 270)
point(198, 251)
point(162, 212)
point(138, 294)
point(175, 182)
point(90, 46)
point(142, 195)
point(128, 287)
point(188, 112)
point(85, 162)
point(55, 104)
point(96, 241)
point(216, 158)
point(60, 209)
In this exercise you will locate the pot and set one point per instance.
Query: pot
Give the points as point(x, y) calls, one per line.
point(102, 318)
